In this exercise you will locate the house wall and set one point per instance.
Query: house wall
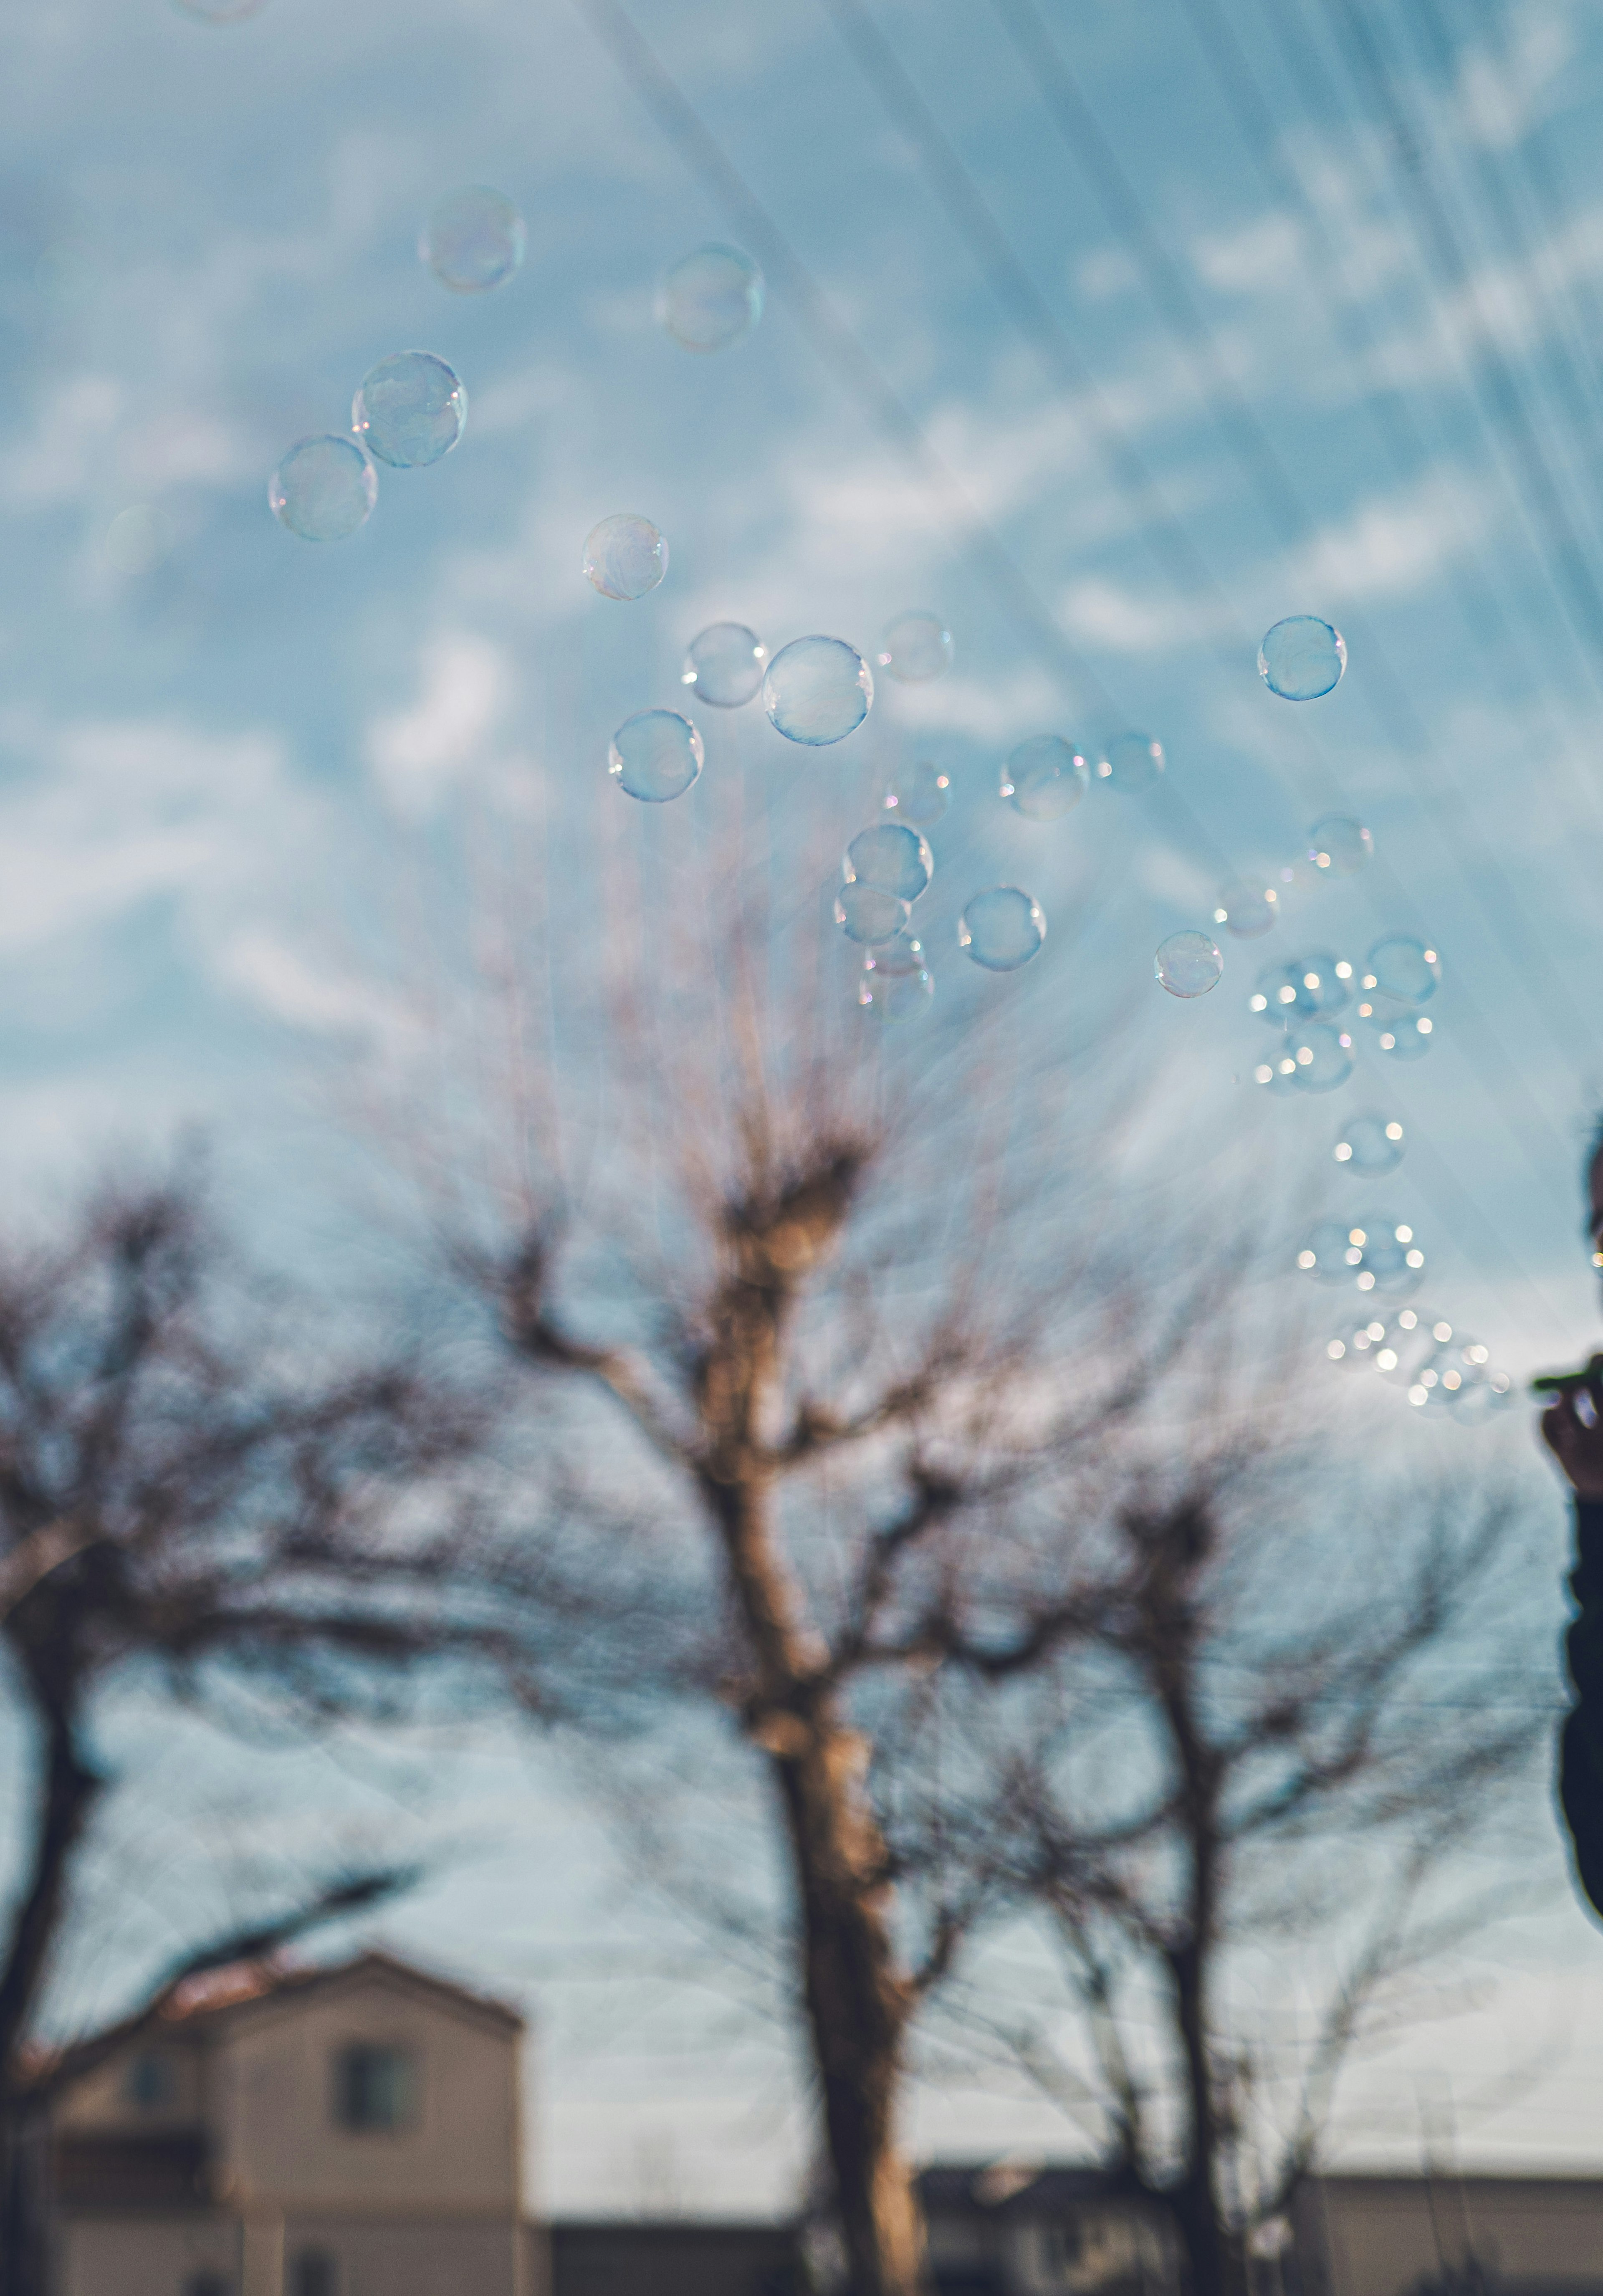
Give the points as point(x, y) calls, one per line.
point(141, 2255)
point(1380, 2236)
point(101, 2101)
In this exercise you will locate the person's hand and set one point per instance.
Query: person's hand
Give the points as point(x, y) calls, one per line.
point(1577, 1443)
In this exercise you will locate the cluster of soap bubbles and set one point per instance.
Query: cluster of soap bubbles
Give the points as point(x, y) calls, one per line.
point(409, 410)
point(1318, 1000)
point(1439, 1368)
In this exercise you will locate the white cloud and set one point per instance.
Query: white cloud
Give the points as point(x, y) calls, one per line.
point(418, 752)
point(1391, 545)
point(309, 996)
point(1262, 257)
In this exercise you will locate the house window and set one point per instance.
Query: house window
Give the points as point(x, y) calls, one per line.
point(373, 2086)
point(314, 2273)
point(151, 2080)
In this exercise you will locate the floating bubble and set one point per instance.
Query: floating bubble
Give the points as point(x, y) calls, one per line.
point(410, 410)
point(1276, 1073)
point(139, 538)
point(1327, 1254)
point(711, 298)
point(1412, 1336)
point(1322, 1055)
point(817, 691)
point(474, 239)
point(1357, 1344)
point(725, 662)
point(1338, 846)
point(1188, 965)
point(896, 983)
point(867, 914)
point(1386, 1255)
point(1301, 657)
point(1303, 988)
point(1398, 1036)
point(1246, 910)
point(903, 954)
point(1404, 968)
point(890, 857)
point(1131, 762)
point(1372, 1144)
point(1044, 778)
point(323, 488)
point(655, 755)
point(916, 647)
point(917, 793)
point(1451, 1374)
point(1002, 929)
point(625, 556)
point(1482, 1397)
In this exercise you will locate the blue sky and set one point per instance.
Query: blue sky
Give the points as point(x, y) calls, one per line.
point(208, 234)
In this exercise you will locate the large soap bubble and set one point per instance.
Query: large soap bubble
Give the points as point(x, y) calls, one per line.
point(1322, 1055)
point(473, 241)
point(725, 662)
point(411, 409)
point(916, 647)
point(1301, 657)
point(1131, 763)
point(896, 983)
point(625, 556)
point(712, 298)
point(1188, 965)
point(1338, 846)
point(817, 691)
point(1002, 929)
point(323, 488)
point(868, 914)
point(655, 755)
point(1246, 909)
point(1044, 778)
point(1371, 1143)
point(892, 857)
point(1402, 967)
point(917, 793)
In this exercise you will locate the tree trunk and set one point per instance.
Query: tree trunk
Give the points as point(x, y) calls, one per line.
point(26, 2246)
point(1195, 2199)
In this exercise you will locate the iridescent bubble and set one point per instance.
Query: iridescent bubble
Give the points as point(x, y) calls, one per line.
point(867, 914)
point(916, 647)
point(1340, 847)
point(625, 556)
point(817, 691)
point(917, 793)
point(891, 856)
point(1002, 929)
point(655, 755)
point(1402, 967)
point(410, 410)
point(474, 239)
point(725, 662)
point(901, 954)
point(1372, 1144)
point(1322, 1055)
point(1327, 1254)
point(1131, 762)
point(1188, 965)
point(1398, 1036)
point(1246, 910)
point(1301, 657)
point(1387, 1260)
point(712, 298)
point(323, 488)
point(896, 982)
point(1044, 778)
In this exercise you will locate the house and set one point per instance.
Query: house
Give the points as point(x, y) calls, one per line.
point(350, 2131)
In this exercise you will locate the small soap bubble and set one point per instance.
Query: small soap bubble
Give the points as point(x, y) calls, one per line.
point(901, 954)
point(1301, 657)
point(918, 793)
point(1338, 846)
point(625, 556)
point(725, 662)
point(1131, 762)
point(1002, 929)
point(817, 691)
point(1275, 1072)
point(1188, 965)
point(1411, 1336)
point(711, 298)
point(1327, 1254)
point(1481, 1398)
point(1398, 1036)
point(323, 488)
point(896, 982)
point(474, 239)
point(1358, 1343)
point(655, 755)
point(1302, 989)
point(867, 914)
point(410, 410)
point(1451, 1374)
point(1369, 1143)
point(1322, 1055)
point(891, 856)
point(1387, 1258)
point(1044, 778)
point(1246, 910)
point(138, 539)
point(916, 647)
point(1402, 967)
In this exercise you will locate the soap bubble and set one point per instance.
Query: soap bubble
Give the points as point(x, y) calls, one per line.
point(1386, 1257)
point(1131, 762)
point(1002, 929)
point(1322, 1055)
point(473, 240)
point(1452, 1373)
point(1340, 847)
point(917, 793)
point(1305, 988)
point(817, 691)
point(896, 982)
point(410, 410)
point(1246, 910)
point(1188, 965)
point(712, 298)
point(868, 914)
point(1358, 1343)
point(891, 856)
point(1044, 778)
point(1480, 1398)
point(139, 538)
point(1412, 1337)
point(1398, 1036)
point(625, 556)
point(1369, 1144)
point(916, 647)
point(655, 755)
point(725, 662)
point(1327, 1254)
point(323, 488)
point(1276, 1073)
point(1402, 967)
point(1301, 657)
